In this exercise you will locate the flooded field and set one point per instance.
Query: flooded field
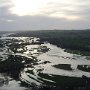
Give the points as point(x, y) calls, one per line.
point(27, 63)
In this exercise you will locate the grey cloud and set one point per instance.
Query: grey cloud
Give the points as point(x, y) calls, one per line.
point(5, 3)
point(81, 8)
point(40, 22)
point(6, 15)
point(33, 22)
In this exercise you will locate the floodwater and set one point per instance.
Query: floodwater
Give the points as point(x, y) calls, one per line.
point(43, 63)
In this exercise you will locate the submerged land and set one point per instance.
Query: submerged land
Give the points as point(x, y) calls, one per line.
point(77, 41)
point(45, 60)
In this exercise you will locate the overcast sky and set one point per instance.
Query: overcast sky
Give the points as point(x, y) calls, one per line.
point(44, 14)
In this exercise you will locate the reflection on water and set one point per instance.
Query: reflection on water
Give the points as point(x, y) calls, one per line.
point(26, 62)
point(4, 80)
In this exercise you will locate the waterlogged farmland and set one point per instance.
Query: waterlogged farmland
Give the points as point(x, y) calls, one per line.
point(29, 63)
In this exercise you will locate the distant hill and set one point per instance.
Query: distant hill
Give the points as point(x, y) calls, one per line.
point(58, 33)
